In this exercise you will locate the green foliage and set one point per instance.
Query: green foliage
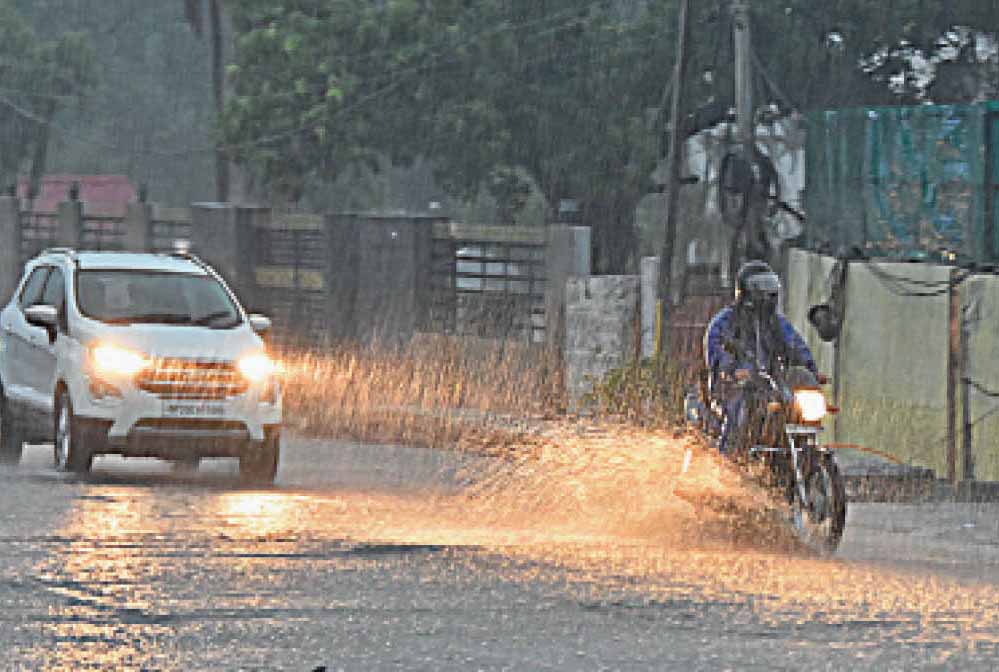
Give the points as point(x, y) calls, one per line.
point(649, 392)
point(37, 75)
point(555, 92)
point(148, 112)
point(567, 94)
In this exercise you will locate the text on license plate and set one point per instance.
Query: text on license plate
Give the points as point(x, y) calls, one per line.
point(193, 410)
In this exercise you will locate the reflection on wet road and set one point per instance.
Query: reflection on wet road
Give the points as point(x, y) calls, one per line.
point(392, 558)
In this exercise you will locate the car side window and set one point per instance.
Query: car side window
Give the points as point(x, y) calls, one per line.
point(32, 292)
point(55, 290)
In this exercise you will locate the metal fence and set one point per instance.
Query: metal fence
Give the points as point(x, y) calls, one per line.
point(102, 233)
point(168, 226)
point(338, 277)
point(290, 264)
point(489, 281)
point(39, 230)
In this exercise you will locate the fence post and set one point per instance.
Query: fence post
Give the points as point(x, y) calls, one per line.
point(10, 245)
point(138, 227)
point(70, 231)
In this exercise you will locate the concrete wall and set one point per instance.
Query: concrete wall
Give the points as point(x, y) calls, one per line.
point(601, 329)
point(891, 374)
point(981, 294)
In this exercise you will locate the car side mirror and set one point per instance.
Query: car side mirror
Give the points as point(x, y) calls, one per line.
point(261, 324)
point(42, 315)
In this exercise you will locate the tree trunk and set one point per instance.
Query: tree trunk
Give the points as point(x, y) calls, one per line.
point(218, 89)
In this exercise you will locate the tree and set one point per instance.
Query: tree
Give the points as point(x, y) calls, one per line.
point(486, 91)
point(563, 93)
point(194, 12)
point(36, 76)
point(148, 111)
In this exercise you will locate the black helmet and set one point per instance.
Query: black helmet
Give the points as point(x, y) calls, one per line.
point(757, 287)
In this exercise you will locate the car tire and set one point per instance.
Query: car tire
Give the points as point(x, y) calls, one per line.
point(259, 461)
point(70, 451)
point(11, 436)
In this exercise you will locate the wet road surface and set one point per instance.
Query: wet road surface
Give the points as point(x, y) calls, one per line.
point(373, 557)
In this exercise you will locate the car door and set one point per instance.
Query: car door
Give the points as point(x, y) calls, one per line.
point(40, 356)
point(18, 336)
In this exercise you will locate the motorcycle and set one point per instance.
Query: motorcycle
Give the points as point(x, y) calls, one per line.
point(784, 407)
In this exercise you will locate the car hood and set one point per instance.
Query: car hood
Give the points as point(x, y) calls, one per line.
point(186, 342)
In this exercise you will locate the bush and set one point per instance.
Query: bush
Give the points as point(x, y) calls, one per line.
point(649, 392)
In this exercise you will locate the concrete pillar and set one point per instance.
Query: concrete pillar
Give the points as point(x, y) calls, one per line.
point(600, 313)
point(567, 256)
point(223, 237)
point(342, 264)
point(10, 245)
point(139, 227)
point(70, 224)
point(649, 275)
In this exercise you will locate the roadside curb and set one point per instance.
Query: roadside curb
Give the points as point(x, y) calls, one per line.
point(917, 488)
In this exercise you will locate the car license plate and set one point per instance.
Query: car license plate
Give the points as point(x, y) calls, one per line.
point(199, 409)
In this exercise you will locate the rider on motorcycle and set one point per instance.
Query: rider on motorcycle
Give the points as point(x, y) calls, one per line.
point(731, 348)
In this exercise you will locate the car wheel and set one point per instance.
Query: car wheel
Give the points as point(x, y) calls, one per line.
point(70, 451)
point(11, 436)
point(259, 461)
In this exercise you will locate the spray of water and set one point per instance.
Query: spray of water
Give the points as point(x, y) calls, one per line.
point(557, 475)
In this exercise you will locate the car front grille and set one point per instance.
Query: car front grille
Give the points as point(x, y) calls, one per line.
point(192, 379)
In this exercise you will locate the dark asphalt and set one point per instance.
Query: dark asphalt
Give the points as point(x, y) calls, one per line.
point(371, 558)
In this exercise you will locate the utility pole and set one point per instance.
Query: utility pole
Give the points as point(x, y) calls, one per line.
point(743, 76)
point(953, 366)
point(749, 229)
point(964, 367)
point(664, 284)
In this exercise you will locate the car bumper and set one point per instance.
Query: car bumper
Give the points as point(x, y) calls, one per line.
point(142, 424)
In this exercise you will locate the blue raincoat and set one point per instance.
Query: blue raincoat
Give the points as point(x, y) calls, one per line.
point(723, 330)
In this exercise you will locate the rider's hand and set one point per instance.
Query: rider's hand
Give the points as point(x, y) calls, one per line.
point(741, 374)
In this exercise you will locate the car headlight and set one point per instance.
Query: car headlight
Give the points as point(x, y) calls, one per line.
point(257, 368)
point(111, 360)
point(811, 404)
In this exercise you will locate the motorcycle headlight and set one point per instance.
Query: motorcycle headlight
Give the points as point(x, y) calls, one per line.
point(112, 360)
point(257, 368)
point(811, 404)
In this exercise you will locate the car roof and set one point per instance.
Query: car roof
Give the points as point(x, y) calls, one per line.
point(138, 261)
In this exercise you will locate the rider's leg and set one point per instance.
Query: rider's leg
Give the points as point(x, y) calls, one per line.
point(734, 418)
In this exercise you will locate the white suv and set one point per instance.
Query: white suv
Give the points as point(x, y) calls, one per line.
point(143, 355)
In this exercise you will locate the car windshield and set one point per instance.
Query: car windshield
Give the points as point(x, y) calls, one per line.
point(129, 297)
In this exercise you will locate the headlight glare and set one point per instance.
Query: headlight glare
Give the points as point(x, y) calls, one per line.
point(811, 404)
point(257, 368)
point(111, 360)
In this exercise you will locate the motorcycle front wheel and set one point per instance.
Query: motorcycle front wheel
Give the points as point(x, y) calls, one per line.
point(820, 524)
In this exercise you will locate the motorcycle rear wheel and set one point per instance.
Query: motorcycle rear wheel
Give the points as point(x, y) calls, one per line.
point(820, 525)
